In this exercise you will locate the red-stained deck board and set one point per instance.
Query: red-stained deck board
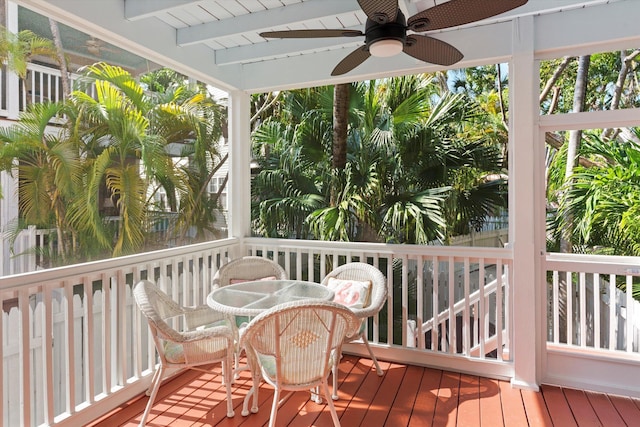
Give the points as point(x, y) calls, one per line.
point(405, 399)
point(581, 408)
point(357, 408)
point(490, 403)
point(536, 409)
point(513, 407)
point(424, 408)
point(404, 396)
point(627, 408)
point(469, 400)
point(446, 410)
point(558, 407)
point(605, 410)
point(383, 401)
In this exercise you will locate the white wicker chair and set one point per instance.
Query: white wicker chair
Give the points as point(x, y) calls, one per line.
point(245, 269)
point(361, 272)
point(248, 268)
point(197, 336)
point(292, 347)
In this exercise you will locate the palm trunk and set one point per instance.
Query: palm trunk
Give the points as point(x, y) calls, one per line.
point(340, 120)
point(574, 144)
point(64, 79)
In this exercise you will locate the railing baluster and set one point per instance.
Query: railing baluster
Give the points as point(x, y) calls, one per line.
point(630, 316)
point(596, 311)
point(583, 309)
point(419, 299)
point(452, 314)
point(466, 316)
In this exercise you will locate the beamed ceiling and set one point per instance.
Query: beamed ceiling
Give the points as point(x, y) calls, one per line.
point(218, 41)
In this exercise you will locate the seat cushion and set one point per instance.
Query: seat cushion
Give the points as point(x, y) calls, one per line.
point(350, 293)
point(173, 352)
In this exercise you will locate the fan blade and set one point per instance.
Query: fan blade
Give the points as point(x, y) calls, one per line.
point(459, 12)
point(351, 61)
point(431, 50)
point(311, 34)
point(380, 11)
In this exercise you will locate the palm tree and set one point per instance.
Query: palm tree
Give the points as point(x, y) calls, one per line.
point(405, 143)
point(129, 135)
point(17, 50)
point(604, 200)
point(49, 170)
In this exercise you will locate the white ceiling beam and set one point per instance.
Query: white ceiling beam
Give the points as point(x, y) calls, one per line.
point(140, 9)
point(260, 51)
point(265, 20)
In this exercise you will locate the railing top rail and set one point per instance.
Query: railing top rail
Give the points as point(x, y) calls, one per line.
point(386, 248)
point(621, 265)
point(59, 273)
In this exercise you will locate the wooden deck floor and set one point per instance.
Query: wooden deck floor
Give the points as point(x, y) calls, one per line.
point(404, 396)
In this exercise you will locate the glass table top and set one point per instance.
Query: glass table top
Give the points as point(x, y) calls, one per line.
point(253, 297)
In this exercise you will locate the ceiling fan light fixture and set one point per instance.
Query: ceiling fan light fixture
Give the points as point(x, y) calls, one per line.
point(385, 48)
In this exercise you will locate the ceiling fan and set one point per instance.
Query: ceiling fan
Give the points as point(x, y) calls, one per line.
point(388, 33)
point(95, 46)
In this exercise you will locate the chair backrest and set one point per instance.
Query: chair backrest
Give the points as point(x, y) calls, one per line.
point(157, 307)
point(248, 268)
point(183, 335)
point(293, 342)
point(361, 271)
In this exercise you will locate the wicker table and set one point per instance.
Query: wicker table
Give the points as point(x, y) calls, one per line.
point(252, 298)
point(248, 299)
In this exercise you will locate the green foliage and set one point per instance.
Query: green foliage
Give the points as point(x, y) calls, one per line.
point(118, 146)
point(603, 201)
point(406, 141)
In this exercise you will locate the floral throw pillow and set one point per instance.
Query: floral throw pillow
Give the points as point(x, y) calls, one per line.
point(351, 293)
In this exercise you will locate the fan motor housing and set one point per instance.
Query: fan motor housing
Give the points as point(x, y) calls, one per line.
point(396, 30)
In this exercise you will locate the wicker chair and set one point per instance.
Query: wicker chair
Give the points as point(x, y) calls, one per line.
point(245, 269)
point(185, 337)
point(292, 347)
point(248, 268)
point(360, 271)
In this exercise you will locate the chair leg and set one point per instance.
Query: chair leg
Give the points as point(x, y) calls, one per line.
point(274, 407)
point(253, 392)
point(332, 407)
point(334, 373)
point(155, 385)
point(227, 379)
point(153, 381)
point(375, 361)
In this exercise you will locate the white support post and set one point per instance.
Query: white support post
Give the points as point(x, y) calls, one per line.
point(525, 221)
point(13, 82)
point(239, 170)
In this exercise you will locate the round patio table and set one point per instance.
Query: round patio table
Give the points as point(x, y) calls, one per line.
point(253, 297)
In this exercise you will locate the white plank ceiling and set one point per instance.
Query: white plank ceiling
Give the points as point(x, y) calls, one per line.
point(218, 41)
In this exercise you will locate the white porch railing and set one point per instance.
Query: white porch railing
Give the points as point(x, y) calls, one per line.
point(596, 293)
point(41, 84)
point(593, 322)
point(30, 247)
point(75, 347)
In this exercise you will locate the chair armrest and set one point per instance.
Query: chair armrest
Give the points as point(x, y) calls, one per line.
point(222, 331)
point(202, 315)
point(363, 313)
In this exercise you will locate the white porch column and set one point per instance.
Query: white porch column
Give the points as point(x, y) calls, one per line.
point(8, 183)
point(239, 184)
point(13, 82)
point(526, 207)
